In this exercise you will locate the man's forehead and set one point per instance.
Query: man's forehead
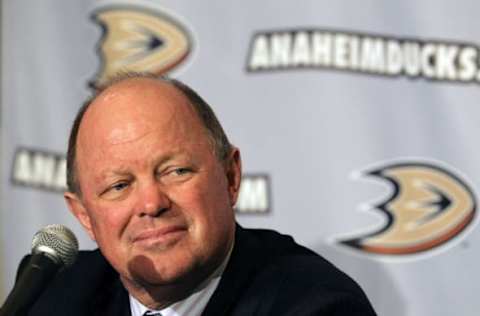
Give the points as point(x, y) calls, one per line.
point(134, 103)
point(135, 108)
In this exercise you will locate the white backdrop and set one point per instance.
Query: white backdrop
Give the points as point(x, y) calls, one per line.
point(357, 123)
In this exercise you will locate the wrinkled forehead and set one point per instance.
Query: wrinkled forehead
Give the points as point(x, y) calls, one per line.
point(133, 108)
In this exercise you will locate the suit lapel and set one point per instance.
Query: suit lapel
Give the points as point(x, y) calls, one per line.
point(238, 274)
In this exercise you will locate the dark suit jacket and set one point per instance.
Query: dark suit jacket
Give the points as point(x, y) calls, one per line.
point(268, 274)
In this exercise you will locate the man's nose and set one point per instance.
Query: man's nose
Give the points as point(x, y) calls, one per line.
point(153, 201)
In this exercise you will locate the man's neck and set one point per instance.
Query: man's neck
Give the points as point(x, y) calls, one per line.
point(157, 297)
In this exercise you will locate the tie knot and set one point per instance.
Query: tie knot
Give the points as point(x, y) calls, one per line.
point(151, 313)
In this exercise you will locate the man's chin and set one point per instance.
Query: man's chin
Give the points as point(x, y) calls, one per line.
point(146, 273)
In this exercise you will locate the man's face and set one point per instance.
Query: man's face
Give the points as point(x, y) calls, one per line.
point(154, 196)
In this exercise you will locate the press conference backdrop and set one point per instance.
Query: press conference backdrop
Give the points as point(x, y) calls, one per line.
point(357, 122)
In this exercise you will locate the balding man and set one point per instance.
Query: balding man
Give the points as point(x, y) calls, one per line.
point(153, 180)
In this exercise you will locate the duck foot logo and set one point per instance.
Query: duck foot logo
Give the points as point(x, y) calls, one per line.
point(428, 207)
point(137, 39)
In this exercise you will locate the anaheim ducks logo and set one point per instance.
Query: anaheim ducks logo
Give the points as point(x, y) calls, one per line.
point(428, 207)
point(138, 40)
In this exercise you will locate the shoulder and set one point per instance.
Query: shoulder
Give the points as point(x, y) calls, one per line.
point(280, 254)
point(77, 289)
point(293, 278)
point(89, 268)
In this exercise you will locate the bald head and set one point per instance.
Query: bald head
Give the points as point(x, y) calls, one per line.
point(136, 98)
point(126, 110)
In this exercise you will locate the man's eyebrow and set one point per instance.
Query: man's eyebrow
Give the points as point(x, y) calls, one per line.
point(123, 170)
point(174, 155)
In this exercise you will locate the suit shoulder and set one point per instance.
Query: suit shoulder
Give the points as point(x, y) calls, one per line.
point(89, 269)
point(293, 261)
point(295, 276)
point(77, 286)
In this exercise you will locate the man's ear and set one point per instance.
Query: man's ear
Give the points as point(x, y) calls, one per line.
point(234, 174)
point(80, 212)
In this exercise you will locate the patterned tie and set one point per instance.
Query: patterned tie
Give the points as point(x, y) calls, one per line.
point(151, 313)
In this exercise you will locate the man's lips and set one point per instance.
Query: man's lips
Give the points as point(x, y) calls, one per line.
point(159, 234)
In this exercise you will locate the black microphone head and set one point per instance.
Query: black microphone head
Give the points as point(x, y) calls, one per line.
point(57, 242)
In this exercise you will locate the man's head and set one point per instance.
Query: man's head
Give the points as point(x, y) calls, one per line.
point(151, 183)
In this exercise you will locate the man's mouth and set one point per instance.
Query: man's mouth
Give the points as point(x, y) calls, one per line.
point(160, 236)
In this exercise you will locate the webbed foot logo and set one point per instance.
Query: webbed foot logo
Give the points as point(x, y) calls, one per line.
point(138, 40)
point(429, 206)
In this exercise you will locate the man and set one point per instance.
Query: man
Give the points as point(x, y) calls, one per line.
point(153, 180)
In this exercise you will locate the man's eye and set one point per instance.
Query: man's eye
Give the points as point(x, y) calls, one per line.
point(119, 186)
point(181, 171)
point(116, 190)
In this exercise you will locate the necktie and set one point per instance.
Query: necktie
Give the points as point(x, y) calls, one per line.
point(150, 313)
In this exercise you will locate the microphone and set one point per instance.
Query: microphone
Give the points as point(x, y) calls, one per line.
point(53, 247)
